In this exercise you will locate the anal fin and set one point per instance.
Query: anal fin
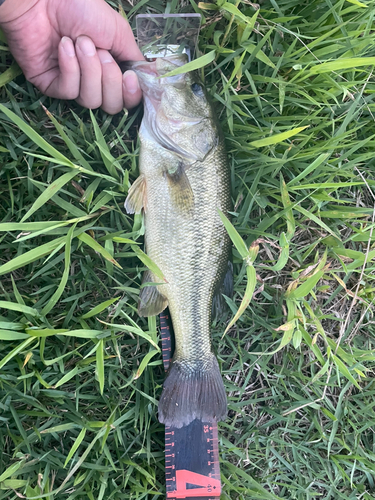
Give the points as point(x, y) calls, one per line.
point(136, 199)
point(151, 301)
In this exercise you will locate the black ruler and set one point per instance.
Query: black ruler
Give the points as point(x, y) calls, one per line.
point(192, 470)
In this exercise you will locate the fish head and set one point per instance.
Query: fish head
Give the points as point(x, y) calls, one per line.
point(178, 114)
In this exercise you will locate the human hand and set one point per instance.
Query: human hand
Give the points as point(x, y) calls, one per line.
point(68, 48)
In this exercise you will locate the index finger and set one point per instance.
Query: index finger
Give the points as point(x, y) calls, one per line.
point(62, 82)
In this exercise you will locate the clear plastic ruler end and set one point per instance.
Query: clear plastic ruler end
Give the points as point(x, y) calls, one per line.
point(160, 35)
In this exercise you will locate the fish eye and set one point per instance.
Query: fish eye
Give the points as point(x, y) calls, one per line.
point(197, 89)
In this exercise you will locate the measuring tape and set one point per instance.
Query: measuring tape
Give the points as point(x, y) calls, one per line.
point(192, 470)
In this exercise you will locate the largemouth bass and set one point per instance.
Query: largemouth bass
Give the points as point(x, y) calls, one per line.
point(184, 180)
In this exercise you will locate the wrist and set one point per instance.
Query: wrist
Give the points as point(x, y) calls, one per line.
point(11, 10)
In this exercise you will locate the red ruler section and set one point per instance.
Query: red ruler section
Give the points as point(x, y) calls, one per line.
point(192, 470)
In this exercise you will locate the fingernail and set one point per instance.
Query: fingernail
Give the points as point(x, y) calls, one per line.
point(130, 82)
point(68, 46)
point(86, 45)
point(105, 57)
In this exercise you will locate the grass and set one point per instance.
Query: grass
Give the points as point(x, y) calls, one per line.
point(81, 374)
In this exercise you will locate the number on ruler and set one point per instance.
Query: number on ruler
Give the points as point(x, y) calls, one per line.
point(208, 485)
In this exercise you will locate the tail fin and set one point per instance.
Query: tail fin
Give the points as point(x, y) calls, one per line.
point(193, 391)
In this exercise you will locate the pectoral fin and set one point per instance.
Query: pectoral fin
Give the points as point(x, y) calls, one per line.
point(180, 189)
point(136, 199)
point(151, 301)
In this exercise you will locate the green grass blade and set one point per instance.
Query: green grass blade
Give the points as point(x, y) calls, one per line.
point(314, 165)
point(284, 254)
point(133, 329)
point(20, 426)
point(60, 289)
point(9, 75)
point(10, 471)
point(71, 145)
point(11, 306)
point(104, 150)
point(349, 63)
point(68, 376)
point(100, 364)
point(250, 287)
point(291, 223)
point(277, 138)
point(343, 369)
point(234, 236)
point(11, 335)
point(31, 256)
point(193, 65)
point(306, 287)
point(35, 137)
point(49, 192)
point(74, 448)
point(311, 216)
point(145, 361)
point(15, 351)
point(48, 332)
point(259, 54)
point(88, 240)
point(232, 9)
point(99, 308)
point(148, 262)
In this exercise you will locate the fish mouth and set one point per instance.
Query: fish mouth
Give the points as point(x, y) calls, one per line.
point(150, 75)
point(142, 67)
point(156, 68)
